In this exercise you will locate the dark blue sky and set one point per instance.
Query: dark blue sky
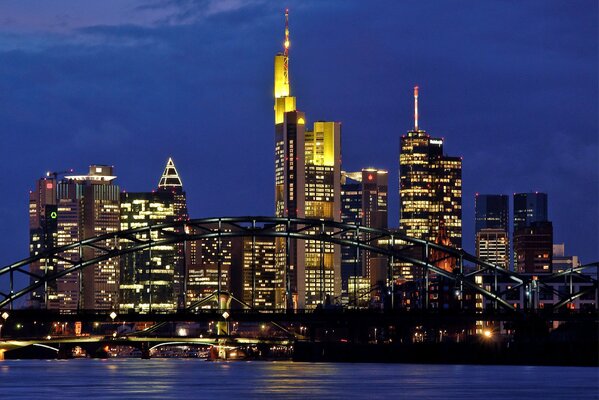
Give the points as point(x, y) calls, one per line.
point(512, 86)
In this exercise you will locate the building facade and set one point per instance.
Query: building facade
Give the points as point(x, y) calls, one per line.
point(492, 245)
point(307, 185)
point(363, 202)
point(533, 248)
point(529, 208)
point(430, 187)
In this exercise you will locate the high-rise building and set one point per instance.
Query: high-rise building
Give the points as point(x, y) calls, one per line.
point(170, 182)
point(147, 281)
point(430, 187)
point(533, 247)
point(363, 202)
point(307, 184)
point(99, 214)
point(208, 268)
point(43, 232)
point(255, 278)
point(529, 208)
point(492, 227)
point(63, 212)
point(491, 212)
point(492, 245)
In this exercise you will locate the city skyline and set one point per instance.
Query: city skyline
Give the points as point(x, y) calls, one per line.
point(196, 164)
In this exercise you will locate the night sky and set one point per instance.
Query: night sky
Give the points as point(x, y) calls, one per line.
point(512, 86)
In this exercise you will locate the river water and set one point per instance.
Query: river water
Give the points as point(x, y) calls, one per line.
point(190, 379)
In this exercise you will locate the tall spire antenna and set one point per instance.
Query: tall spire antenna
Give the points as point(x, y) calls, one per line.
point(416, 108)
point(286, 46)
point(287, 43)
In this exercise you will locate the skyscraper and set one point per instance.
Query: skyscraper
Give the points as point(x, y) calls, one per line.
point(307, 184)
point(529, 208)
point(491, 228)
point(491, 211)
point(170, 182)
point(363, 202)
point(148, 277)
point(76, 208)
point(533, 233)
point(533, 247)
point(430, 187)
point(43, 234)
point(255, 278)
point(492, 245)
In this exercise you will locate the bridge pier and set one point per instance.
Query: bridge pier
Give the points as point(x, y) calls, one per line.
point(65, 352)
point(145, 351)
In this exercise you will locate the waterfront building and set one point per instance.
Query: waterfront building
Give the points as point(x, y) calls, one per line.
point(533, 247)
point(430, 186)
point(307, 184)
point(363, 202)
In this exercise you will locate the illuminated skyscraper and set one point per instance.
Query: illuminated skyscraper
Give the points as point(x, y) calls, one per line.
point(533, 247)
point(492, 227)
point(170, 182)
point(363, 202)
point(203, 259)
point(430, 186)
point(492, 245)
point(43, 219)
point(255, 277)
point(533, 233)
point(149, 278)
point(307, 184)
point(63, 212)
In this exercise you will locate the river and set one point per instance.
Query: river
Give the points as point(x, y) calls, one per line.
point(192, 378)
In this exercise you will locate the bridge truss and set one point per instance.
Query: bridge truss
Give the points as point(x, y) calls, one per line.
point(426, 255)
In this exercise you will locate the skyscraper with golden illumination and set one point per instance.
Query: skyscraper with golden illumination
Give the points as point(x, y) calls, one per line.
point(430, 187)
point(307, 185)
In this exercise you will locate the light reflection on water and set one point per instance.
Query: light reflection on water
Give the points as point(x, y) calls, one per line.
point(185, 379)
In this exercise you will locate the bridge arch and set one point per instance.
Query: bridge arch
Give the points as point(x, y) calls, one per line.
point(360, 237)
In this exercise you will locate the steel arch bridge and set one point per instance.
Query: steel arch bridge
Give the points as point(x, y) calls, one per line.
point(398, 248)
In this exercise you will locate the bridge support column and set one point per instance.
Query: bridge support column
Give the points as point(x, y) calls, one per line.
point(145, 350)
point(222, 327)
point(65, 352)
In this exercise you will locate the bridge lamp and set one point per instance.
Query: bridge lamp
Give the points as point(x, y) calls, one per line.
point(5, 315)
point(112, 315)
point(225, 315)
point(182, 332)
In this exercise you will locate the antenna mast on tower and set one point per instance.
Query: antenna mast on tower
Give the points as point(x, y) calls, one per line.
point(286, 46)
point(416, 108)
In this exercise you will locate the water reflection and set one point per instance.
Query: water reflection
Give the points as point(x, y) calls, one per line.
point(166, 378)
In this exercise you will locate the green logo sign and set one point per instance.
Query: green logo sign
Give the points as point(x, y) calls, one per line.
point(53, 215)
